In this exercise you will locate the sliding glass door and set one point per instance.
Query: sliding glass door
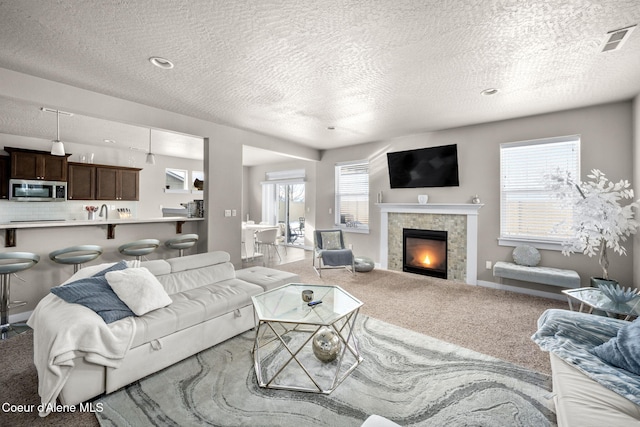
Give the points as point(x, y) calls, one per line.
point(290, 211)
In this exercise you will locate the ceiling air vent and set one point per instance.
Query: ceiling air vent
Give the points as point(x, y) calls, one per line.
point(616, 38)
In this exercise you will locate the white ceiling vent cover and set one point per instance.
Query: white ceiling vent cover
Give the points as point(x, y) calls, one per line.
point(617, 38)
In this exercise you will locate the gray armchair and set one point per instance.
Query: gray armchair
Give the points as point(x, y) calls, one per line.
point(330, 251)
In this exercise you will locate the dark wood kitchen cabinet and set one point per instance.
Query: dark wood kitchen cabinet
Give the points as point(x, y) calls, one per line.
point(117, 183)
point(32, 164)
point(82, 182)
point(4, 177)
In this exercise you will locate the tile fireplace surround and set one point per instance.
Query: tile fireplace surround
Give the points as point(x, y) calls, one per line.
point(459, 220)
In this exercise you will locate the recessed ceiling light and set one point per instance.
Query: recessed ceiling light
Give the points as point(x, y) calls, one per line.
point(490, 91)
point(110, 141)
point(159, 62)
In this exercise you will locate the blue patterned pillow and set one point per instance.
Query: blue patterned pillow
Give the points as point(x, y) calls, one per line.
point(623, 350)
point(95, 293)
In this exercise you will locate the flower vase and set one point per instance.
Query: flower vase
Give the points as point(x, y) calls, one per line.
point(91, 215)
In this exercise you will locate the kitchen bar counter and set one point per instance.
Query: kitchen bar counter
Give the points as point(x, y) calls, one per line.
point(11, 227)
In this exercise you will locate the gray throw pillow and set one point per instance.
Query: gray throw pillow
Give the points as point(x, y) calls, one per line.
point(526, 255)
point(95, 293)
point(623, 350)
point(330, 240)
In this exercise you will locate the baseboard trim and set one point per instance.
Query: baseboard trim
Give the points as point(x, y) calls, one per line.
point(533, 292)
point(20, 317)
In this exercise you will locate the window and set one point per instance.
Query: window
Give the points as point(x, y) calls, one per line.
point(529, 211)
point(176, 179)
point(352, 196)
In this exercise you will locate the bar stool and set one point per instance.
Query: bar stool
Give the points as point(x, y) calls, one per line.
point(10, 263)
point(76, 255)
point(182, 242)
point(139, 248)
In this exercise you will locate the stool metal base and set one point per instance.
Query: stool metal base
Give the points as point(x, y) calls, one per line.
point(12, 330)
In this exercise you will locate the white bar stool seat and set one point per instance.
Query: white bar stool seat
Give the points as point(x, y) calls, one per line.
point(139, 248)
point(10, 263)
point(76, 255)
point(182, 242)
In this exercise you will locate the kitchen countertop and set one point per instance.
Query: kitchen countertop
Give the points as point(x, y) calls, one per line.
point(75, 222)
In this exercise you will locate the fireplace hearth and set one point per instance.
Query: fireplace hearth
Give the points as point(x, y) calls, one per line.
point(425, 252)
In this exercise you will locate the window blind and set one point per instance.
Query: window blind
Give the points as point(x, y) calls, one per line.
point(352, 194)
point(528, 209)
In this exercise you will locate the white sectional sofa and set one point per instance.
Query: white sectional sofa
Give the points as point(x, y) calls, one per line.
point(210, 302)
point(593, 359)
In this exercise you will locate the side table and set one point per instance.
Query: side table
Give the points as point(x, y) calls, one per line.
point(593, 298)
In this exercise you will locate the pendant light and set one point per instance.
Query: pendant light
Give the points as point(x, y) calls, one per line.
point(151, 159)
point(57, 147)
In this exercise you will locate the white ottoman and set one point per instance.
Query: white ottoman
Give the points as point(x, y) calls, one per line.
point(268, 278)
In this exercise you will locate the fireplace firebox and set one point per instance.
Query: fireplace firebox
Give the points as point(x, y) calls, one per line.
point(425, 252)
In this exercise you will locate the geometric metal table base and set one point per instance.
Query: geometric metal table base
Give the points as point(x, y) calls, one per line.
point(280, 348)
point(286, 345)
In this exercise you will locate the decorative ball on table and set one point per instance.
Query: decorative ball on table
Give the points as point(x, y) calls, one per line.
point(326, 344)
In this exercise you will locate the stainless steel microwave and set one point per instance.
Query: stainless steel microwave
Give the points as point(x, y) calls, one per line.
point(33, 190)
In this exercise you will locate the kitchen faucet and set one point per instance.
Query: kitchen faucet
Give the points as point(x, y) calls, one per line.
point(106, 212)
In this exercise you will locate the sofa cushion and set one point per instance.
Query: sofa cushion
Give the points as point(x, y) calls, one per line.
point(572, 336)
point(194, 306)
point(158, 267)
point(189, 279)
point(95, 293)
point(139, 289)
point(192, 262)
point(580, 401)
point(268, 278)
point(623, 350)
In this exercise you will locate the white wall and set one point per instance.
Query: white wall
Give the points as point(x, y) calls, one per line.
point(636, 186)
point(223, 148)
point(606, 143)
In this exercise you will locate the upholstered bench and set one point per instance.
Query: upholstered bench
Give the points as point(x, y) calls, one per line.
point(544, 275)
point(268, 278)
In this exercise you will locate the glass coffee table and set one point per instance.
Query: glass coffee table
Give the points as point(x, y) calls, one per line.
point(301, 347)
point(594, 299)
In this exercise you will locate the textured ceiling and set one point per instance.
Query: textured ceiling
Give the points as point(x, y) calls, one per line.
point(372, 69)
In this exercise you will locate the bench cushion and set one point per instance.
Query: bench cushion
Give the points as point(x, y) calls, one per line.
point(545, 275)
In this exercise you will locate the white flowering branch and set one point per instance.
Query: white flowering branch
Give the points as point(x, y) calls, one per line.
point(600, 221)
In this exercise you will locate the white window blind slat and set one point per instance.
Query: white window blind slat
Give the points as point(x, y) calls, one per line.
point(528, 209)
point(352, 194)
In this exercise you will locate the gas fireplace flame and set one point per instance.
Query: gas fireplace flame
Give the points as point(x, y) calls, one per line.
point(427, 260)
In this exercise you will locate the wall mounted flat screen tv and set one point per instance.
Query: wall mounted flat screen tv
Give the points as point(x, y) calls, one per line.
point(424, 167)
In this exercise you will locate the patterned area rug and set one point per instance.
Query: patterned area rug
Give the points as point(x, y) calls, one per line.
point(410, 378)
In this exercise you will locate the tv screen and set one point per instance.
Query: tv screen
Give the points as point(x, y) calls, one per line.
point(424, 167)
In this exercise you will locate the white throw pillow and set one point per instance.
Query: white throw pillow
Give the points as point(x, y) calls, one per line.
point(139, 289)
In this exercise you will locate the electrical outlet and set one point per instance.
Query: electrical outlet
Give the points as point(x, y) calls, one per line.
point(488, 265)
point(227, 212)
point(234, 212)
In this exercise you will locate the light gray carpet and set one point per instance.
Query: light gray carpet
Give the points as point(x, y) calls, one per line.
point(406, 376)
